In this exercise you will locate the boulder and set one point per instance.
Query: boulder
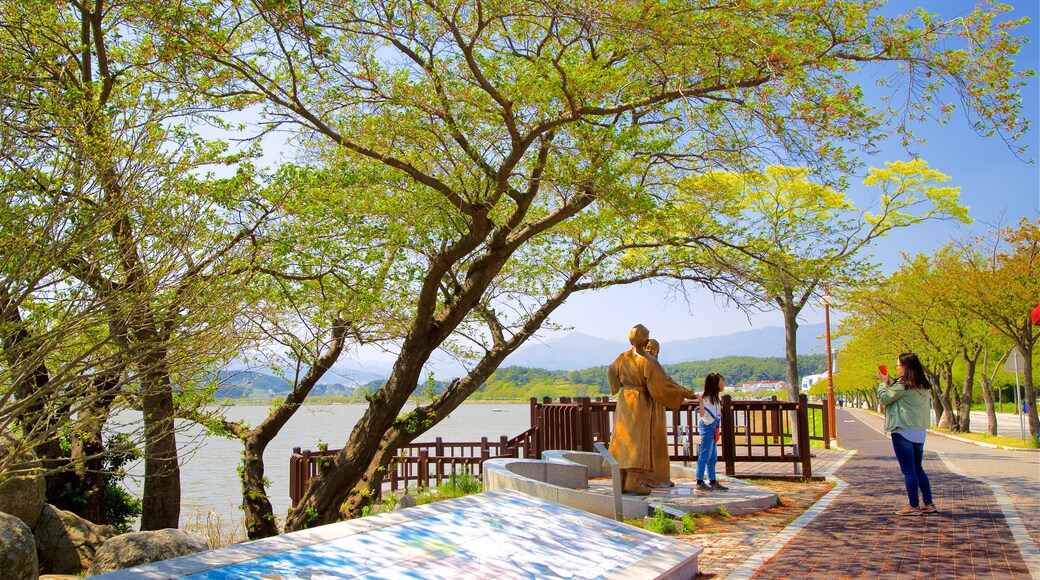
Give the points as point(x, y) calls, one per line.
point(17, 551)
point(65, 542)
point(138, 548)
point(21, 496)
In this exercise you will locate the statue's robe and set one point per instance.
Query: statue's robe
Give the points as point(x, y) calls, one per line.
point(639, 440)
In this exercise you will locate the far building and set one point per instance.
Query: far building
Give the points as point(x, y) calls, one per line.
point(810, 380)
point(755, 387)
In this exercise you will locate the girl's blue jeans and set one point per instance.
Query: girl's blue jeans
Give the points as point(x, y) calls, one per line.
point(909, 455)
point(708, 454)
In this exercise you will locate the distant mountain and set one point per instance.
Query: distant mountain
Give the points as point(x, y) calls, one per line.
point(571, 352)
point(577, 351)
point(236, 384)
point(760, 342)
point(574, 351)
point(337, 375)
point(243, 383)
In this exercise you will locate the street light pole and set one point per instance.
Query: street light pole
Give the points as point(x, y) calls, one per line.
point(831, 426)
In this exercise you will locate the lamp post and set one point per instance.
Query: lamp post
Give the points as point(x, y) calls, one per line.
point(831, 426)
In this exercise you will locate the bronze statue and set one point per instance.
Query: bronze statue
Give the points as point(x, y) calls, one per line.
point(639, 381)
point(661, 474)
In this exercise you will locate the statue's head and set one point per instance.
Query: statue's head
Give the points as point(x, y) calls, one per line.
point(653, 347)
point(638, 336)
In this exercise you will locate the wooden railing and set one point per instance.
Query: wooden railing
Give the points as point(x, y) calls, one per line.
point(416, 464)
point(770, 431)
point(752, 432)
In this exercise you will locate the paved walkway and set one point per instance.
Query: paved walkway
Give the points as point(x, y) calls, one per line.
point(988, 525)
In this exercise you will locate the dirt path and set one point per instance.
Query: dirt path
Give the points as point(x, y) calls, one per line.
point(730, 540)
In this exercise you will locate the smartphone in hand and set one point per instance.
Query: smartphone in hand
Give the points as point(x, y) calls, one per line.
point(883, 370)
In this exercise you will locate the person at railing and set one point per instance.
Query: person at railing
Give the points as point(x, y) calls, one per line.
point(638, 381)
point(709, 423)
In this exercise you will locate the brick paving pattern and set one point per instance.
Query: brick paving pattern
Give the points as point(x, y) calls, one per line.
point(858, 536)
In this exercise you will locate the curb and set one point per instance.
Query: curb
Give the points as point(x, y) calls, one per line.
point(983, 443)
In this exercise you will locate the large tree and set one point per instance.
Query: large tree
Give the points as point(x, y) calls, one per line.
point(1000, 288)
point(102, 165)
point(523, 143)
point(919, 309)
point(791, 236)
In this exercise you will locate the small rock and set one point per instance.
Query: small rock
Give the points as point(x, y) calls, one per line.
point(404, 502)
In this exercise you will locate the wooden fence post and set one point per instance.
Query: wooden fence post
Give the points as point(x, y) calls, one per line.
point(826, 427)
point(729, 450)
point(423, 469)
point(803, 435)
point(585, 425)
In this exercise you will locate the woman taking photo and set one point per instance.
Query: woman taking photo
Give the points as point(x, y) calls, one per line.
point(908, 404)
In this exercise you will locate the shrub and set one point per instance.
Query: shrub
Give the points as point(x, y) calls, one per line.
point(458, 485)
point(660, 523)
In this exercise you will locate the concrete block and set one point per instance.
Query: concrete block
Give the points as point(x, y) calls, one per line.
point(569, 475)
point(601, 505)
point(530, 469)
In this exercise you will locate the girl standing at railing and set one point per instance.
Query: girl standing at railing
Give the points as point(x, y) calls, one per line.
point(709, 413)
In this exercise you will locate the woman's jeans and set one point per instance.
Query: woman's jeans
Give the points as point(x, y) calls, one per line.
point(708, 454)
point(909, 455)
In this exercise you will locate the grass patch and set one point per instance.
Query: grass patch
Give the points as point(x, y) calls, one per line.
point(459, 485)
point(660, 523)
point(1016, 442)
point(666, 525)
point(1007, 407)
point(689, 522)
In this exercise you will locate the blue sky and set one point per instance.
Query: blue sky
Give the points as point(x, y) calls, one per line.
point(997, 186)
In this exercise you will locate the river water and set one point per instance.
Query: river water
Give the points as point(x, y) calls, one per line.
point(210, 488)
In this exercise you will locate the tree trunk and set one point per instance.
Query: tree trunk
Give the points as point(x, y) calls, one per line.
point(946, 420)
point(260, 519)
point(161, 504)
point(259, 514)
point(377, 436)
point(402, 433)
point(364, 494)
point(349, 468)
point(991, 414)
point(88, 447)
point(35, 419)
point(1027, 381)
point(794, 385)
point(971, 357)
